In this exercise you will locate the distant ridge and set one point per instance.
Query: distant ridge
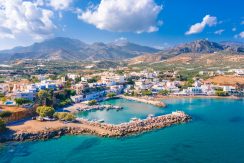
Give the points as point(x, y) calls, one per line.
point(62, 48)
point(196, 47)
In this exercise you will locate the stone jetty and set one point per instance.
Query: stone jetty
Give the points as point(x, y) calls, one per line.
point(35, 130)
point(146, 100)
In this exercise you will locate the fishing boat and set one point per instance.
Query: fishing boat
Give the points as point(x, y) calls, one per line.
point(150, 115)
point(134, 119)
point(101, 120)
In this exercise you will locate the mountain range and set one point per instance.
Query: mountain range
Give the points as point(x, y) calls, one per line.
point(197, 47)
point(61, 48)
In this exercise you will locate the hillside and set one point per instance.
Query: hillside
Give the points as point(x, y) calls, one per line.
point(61, 48)
point(193, 51)
point(226, 80)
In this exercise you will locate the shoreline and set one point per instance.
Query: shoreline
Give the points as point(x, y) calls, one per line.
point(147, 100)
point(203, 97)
point(35, 130)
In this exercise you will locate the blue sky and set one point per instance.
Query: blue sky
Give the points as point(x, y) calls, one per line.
point(158, 23)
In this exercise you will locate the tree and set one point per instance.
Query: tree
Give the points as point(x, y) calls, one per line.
point(42, 97)
point(189, 82)
point(111, 95)
point(92, 102)
point(2, 125)
point(1, 95)
point(4, 114)
point(146, 93)
point(77, 80)
point(64, 116)
point(69, 117)
point(163, 92)
point(21, 101)
point(4, 99)
point(94, 79)
point(45, 111)
point(221, 93)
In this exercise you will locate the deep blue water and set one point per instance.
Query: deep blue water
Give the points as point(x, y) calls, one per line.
point(216, 134)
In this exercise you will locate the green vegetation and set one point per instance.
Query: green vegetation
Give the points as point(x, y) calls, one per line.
point(43, 96)
point(55, 98)
point(77, 80)
point(146, 93)
point(92, 102)
point(221, 93)
point(21, 101)
point(65, 103)
point(4, 114)
point(164, 92)
point(111, 95)
point(4, 99)
point(1, 95)
point(45, 111)
point(2, 125)
point(64, 116)
point(126, 94)
point(93, 79)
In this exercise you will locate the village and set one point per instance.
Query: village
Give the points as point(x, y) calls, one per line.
point(47, 99)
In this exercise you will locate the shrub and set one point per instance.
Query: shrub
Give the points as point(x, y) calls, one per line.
point(221, 93)
point(92, 102)
point(111, 95)
point(146, 93)
point(126, 94)
point(21, 101)
point(64, 116)
point(2, 125)
point(4, 114)
point(163, 92)
point(45, 111)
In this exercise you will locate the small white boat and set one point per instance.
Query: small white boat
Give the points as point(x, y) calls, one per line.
point(101, 120)
point(150, 115)
point(134, 119)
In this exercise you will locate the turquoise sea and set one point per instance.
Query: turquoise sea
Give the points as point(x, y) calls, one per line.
point(215, 134)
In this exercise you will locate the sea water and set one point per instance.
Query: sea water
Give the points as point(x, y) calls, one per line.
point(215, 134)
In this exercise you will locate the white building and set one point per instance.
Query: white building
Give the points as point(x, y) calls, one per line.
point(4, 88)
point(191, 91)
point(72, 76)
point(142, 84)
point(26, 95)
point(88, 97)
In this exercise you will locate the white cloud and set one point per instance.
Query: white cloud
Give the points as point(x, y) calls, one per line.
point(60, 4)
point(234, 29)
point(123, 15)
point(241, 35)
point(19, 17)
point(199, 27)
point(219, 32)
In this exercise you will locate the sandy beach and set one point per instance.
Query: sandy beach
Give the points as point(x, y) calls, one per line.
point(182, 97)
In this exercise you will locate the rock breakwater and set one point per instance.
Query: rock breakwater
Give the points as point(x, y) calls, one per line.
point(101, 129)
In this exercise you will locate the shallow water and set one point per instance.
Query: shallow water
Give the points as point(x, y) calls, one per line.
point(214, 135)
point(130, 109)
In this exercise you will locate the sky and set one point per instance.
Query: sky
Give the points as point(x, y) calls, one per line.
point(156, 23)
